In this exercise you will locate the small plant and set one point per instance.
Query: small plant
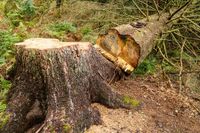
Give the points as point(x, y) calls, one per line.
point(88, 34)
point(61, 28)
point(130, 101)
point(86, 30)
point(166, 67)
point(7, 39)
point(148, 66)
point(18, 11)
point(67, 128)
point(2, 106)
point(4, 87)
point(4, 118)
point(2, 3)
point(28, 9)
point(4, 84)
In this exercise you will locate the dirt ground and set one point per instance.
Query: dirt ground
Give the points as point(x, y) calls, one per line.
point(162, 110)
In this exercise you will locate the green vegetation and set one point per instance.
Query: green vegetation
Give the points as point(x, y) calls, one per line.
point(18, 11)
point(4, 87)
point(148, 66)
point(88, 34)
point(62, 27)
point(67, 128)
point(59, 29)
point(130, 101)
point(181, 43)
point(7, 39)
point(4, 118)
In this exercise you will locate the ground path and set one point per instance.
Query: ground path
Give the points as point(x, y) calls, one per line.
point(162, 110)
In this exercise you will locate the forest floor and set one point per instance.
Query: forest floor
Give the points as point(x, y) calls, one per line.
point(162, 110)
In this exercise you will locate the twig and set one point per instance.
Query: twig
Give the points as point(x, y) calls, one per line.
point(41, 127)
point(166, 7)
point(140, 10)
point(147, 9)
point(178, 10)
point(177, 18)
point(168, 78)
point(197, 26)
point(157, 8)
point(195, 107)
point(166, 58)
point(183, 72)
point(146, 4)
point(114, 74)
point(175, 39)
point(181, 67)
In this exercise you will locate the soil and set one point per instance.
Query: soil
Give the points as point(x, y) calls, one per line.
point(162, 110)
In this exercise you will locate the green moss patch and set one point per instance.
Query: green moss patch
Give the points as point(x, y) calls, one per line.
point(131, 101)
point(4, 118)
point(67, 128)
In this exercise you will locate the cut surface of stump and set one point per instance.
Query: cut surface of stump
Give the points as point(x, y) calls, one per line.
point(127, 45)
point(54, 84)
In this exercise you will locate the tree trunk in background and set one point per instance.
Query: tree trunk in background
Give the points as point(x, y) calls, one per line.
point(54, 85)
point(127, 45)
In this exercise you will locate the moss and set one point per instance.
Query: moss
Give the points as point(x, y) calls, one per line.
point(4, 118)
point(33, 54)
point(131, 101)
point(66, 128)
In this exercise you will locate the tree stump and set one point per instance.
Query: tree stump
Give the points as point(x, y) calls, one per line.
point(54, 84)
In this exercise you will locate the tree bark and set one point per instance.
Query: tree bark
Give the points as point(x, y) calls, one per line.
point(54, 85)
point(127, 45)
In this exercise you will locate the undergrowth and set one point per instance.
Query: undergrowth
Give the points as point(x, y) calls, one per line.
point(18, 11)
point(4, 87)
point(179, 46)
point(7, 39)
point(59, 29)
point(148, 66)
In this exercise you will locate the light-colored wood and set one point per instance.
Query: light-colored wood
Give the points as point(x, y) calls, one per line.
point(46, 43)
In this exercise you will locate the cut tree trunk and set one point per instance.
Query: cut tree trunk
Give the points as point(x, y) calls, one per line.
point(54, 84)
point(127, 45)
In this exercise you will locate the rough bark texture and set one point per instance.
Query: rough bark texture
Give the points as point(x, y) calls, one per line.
point(127, 45)
point(54, 85)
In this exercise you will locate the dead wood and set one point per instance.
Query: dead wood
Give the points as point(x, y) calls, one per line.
point(54, 85)
point(127, 45)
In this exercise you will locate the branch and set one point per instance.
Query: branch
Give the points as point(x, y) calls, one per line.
point(178, 10)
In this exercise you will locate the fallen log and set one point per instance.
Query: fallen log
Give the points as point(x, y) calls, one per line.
point(127, 45)
point(54, 84)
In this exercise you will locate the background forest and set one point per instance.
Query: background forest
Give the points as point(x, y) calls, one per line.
point(175, 58)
